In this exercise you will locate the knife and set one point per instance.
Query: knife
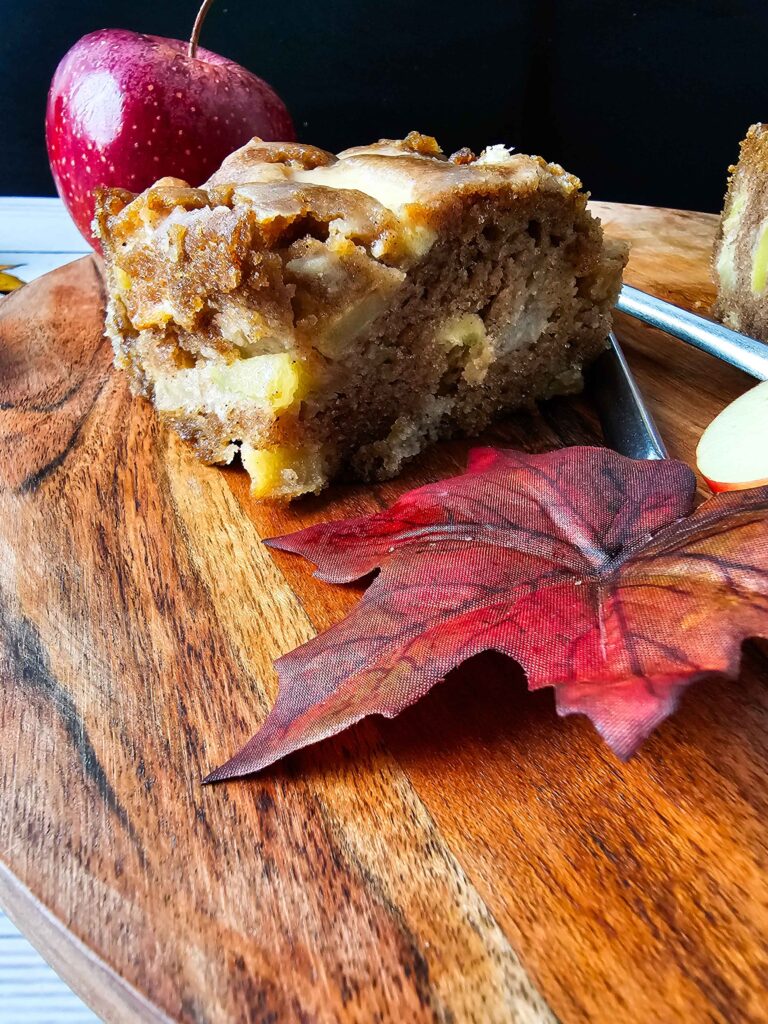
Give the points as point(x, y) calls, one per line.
point(628, 426)
point(747, 354)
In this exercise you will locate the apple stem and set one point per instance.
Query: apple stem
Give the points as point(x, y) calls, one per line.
point(195, 37)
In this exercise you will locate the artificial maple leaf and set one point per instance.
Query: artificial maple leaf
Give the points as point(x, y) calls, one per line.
point(589, 569)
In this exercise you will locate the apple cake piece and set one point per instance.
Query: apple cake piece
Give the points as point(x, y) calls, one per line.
point(327, 316)
point(741, 249)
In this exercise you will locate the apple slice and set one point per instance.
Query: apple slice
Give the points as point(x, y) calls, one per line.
point(733, 451)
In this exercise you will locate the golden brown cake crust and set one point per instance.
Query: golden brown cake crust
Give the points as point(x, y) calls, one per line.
point(329, 313)
point(741, 248)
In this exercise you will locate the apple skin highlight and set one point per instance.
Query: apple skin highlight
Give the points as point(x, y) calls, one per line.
point(125, 109)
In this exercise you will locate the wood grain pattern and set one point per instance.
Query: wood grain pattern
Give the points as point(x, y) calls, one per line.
point(477, 859)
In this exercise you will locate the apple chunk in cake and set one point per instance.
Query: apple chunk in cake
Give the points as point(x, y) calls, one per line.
point(328, 316)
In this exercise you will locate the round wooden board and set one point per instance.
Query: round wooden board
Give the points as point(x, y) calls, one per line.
point(476, 859)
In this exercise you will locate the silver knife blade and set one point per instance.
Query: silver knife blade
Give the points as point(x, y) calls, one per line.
point(628, 426)
point(747, 354)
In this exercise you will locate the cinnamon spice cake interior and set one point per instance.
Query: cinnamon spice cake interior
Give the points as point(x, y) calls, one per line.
point(741, 249)
point(330, 315)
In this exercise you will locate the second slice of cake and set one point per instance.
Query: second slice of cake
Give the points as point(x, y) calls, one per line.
point(328, 316)
point(741, 249)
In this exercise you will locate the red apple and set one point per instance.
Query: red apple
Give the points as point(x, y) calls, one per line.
point(733, 451)
point(126, 109)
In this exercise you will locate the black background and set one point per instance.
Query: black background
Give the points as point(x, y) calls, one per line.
point(646, 102)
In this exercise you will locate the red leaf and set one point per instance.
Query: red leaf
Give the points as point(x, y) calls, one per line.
point(588, 568)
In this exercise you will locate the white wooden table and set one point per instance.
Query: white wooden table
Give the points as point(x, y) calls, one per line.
point(38, 235)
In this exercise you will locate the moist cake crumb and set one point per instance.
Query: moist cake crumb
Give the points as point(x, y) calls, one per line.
point(329, 316)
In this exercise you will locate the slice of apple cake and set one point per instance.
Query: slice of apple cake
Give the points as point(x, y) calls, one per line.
point(741, 249)
point(328, 316)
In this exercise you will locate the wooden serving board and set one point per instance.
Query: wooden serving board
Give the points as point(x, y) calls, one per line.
point(477, 859)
